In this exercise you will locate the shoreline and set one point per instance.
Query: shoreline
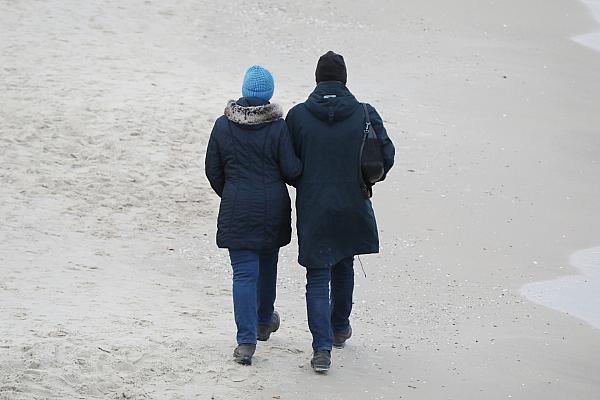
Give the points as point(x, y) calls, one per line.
point(591, 39)
point(575, 295)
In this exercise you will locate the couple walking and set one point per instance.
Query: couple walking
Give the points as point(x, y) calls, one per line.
point(252, 154)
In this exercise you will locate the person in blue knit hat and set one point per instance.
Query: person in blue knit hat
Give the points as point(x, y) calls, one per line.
point(249, 159)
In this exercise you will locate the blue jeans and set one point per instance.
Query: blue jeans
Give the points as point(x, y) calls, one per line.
point(254, 281)
point(329, 314)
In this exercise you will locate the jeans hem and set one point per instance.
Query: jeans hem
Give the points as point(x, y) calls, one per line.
point(323, 349)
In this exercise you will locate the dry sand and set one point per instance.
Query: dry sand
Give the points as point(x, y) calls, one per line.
point(111, 285)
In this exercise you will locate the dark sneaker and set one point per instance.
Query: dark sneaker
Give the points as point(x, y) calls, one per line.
point(264, 331)
point(243, 353)
point(339, 339)
point(321, 361)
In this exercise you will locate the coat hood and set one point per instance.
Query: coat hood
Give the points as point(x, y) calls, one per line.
point(331, 101)
point(244, 113)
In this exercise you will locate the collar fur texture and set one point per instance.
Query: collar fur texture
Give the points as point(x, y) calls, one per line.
point(252, 115)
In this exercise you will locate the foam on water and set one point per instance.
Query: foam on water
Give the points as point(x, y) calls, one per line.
point(577, 295)
point(592, 39)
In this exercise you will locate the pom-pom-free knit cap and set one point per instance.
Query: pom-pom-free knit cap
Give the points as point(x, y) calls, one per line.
point(258, 82)
point(331, 67)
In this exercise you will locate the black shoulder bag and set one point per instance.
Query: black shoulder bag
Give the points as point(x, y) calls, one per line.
point(371, 158)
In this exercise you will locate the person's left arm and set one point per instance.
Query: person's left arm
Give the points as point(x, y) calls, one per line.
point(387, 147)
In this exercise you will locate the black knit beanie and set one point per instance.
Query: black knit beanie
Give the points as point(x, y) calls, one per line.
point(331, 67)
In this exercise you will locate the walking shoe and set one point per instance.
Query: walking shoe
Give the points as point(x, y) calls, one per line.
point(243, 353)
point(321, 361)
point(339, 339)
point(264, 331)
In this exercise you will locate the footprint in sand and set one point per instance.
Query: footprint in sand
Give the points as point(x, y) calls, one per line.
point(20, 315)
point(57, 333)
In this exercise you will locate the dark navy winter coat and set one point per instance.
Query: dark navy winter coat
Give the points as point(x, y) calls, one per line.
point(335, 219)
point(248, 159)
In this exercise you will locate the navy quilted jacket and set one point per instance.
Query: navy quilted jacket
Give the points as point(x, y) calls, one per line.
point(249, 159)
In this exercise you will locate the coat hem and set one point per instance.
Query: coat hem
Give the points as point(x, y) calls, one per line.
point(329, 265)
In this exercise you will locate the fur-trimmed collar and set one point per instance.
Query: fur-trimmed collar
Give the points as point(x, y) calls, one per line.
point(252, 115)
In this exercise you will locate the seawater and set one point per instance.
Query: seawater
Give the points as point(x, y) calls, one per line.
point(577, 295)
point(591, 40)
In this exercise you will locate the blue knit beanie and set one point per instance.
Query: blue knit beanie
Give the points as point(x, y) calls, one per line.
point(258, 82)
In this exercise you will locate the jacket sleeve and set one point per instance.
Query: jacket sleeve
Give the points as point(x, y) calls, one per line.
point(289, 120)
point(289, 164)
point(213, 164)
point(387, 147)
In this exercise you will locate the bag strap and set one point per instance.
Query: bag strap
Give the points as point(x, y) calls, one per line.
point(368, 124)
point(366, 189)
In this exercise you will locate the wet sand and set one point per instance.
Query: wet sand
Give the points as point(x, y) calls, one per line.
point(591, 39)
point(576, 295)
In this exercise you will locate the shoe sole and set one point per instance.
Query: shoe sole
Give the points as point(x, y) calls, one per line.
point(321, 368)
point(339, 345)
point(243, 360)
point(265, 338)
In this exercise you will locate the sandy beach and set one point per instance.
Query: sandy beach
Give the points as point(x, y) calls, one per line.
point(112, 287)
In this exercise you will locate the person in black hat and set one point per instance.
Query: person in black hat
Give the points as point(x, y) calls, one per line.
point(335, 221)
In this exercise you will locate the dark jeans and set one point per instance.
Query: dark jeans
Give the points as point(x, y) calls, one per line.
point(329, 314)
point(254, 281)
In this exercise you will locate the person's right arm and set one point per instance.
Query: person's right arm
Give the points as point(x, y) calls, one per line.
point(289, 121)
point(289, 164)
